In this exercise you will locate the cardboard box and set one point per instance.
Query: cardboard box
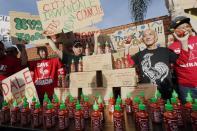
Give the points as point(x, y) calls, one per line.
point(119, 77)
point(148, 89)
point(93, 92)
point(97, 62)
point(83, 80)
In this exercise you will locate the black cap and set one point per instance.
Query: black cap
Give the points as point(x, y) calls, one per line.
point(77, 44)
point(178, 21)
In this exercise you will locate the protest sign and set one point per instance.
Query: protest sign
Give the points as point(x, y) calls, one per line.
point(5, 30)
point(18, 86)
point(135, 33)
point(26, 27)
point(68, 15)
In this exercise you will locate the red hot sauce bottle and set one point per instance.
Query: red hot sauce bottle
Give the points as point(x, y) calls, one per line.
point(142, 122)
point(155, 111)
point(128, 104)
point(175, 95)
point(5, 113)
point(48, 116)
point(15, 113)
point(25, 114)
point(160, 102)
point(86, 108)
point(79, 120)
point(63, 117)
point(111, 103)
point(96, 118)
point(45, 102)
point(187, 109)
point(33, 105)
point(118, 119)
point(37, 116)
point(170, 118)
point(71, 107)
point(101, 109)
point(178, 109)
point(135, 107)
point(194, 116)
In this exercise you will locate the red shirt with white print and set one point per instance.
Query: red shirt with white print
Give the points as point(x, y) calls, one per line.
point(45, 75)
point(187, 71)
point(8, 66)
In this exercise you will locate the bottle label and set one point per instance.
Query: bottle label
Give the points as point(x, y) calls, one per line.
point(24, 118)
point(118, 124)
point(143, 124)
point(13, 117)
point(36, 119)
point(77, 123)
point(48, 120)
point(156, 116)
point(61, 122)
point(82, 123)
point(66, 122)
point(187, 114)
point(172, 124)
point(70, 112)
point(95, 123)
point(86, 112)
point(179, 116)
point(128, 108)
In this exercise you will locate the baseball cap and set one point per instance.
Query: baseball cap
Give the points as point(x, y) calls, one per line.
point(77, 44)
point(178, 21)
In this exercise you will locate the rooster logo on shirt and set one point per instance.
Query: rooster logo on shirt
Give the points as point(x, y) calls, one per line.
point(157, 72)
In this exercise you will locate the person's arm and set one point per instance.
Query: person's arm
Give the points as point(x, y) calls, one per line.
point(55, 49)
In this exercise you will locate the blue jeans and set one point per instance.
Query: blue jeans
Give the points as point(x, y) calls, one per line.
point(183, 92)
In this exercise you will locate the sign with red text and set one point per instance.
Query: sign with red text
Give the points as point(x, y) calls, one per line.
point(18, 86)
point(26, 27)
point(68, 15)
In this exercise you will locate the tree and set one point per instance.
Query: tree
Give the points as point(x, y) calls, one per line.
point(138, 9)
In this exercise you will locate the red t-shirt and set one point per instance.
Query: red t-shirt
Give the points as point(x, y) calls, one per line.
point(187, 71)
point(8, 66)
point(45, 75)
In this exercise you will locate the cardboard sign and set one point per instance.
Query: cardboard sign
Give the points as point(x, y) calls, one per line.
point(135, 33)
point(148, 89)
point(82, 80)
point(95, 92)
point(5, 30)
point(26, 27)
point(17, 86)
point(68, 15)
point(119, 77)
point(97, 62)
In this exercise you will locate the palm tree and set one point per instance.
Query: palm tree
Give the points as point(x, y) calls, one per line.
point(138, 9)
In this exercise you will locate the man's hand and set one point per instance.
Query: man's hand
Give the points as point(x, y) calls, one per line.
point(183, 40)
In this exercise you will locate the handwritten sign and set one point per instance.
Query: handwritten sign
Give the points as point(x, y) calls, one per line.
point(97, 62)
point(119, 77)
point(135, 33)
point(68, 15)
point(5, 30)
point(26, 27)
point(19, 85)
point(83, 79)
point(148, 89)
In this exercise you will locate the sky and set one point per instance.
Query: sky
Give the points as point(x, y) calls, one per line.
point(116, 12)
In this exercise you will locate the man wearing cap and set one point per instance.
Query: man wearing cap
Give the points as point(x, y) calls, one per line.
point(187, 71)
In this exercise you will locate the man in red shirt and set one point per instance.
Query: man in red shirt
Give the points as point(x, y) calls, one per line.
point(45, 72)
point(187, 71)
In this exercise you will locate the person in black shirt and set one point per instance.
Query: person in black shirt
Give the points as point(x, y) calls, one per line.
point(153, 63)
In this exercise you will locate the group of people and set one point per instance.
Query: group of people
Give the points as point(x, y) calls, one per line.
point(153, 63)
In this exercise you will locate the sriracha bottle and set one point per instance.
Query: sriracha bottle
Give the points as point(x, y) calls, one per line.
point(15, 113)
point(86, 108)
point(178, 109)
point(155, 111)
point(72, 66)
point(45, 102)
point(101, 109)
point(96, 118)
point(118, 119)
point(170, 118)
point(48, 116)
point(79, 120)
point(5, 113)
point(71, 107)
point(135, 106)
point(128, 104)
point(160, 102)
point(188, 108)
point(111, 103)
point(63, 117)
point(194, 116)
point(37, 116)
point(33, 105)
point(175, 95)
point(25, 114)
point(119, 101)
point(142, 122)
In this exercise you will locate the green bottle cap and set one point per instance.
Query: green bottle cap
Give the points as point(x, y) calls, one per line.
point(45, 95)
point(86, 99)
point(71, 99)
point(158, 94)
point(142, 107)
point(168, 106)
point(136, 100)
point(117, 107)
point(100, 100)
point(25, 99)
point(62, 106)
point(189, 97)
point(129, 95)
point(119, 100)
point(37, 105)
point(56, 100)
point(174, 94)
point(153, 100)
point(141, 94)
point(174, 100)
point(99, 44)
point(194, 106)
point(5, 103)
point(78, 106)
point(33, 99)
point(106, 43)
point(15, 104)
point(111, 95)
point(49, 105)
point(95, 106)
point(25, 104)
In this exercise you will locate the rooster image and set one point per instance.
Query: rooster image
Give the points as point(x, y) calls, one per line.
point(158, 71)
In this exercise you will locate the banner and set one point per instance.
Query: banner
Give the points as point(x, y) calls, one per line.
point(5, 30)
point(68, 15)
point(135, 33)
point(18, 86)
point(26, 27)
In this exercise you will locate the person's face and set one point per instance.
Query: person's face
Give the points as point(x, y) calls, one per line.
point(183, 28)
point(43, 54)
point(149, 37)
point(2, 50)
point(78, 50)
